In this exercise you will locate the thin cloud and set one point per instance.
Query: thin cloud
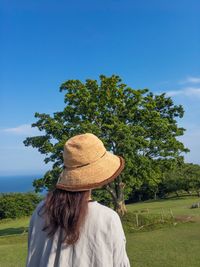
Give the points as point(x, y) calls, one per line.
point(24, 129)
point(191, 80)
point(188, 91)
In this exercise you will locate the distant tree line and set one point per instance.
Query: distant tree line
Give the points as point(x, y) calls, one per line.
point(180, 180)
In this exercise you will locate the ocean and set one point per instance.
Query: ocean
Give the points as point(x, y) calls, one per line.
point(18, 183)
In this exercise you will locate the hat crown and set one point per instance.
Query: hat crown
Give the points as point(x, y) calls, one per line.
point(82, 149)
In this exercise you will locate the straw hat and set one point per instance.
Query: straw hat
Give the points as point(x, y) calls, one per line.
point(87, 164)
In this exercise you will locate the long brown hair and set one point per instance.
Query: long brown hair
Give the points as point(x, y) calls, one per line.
point(66, 210)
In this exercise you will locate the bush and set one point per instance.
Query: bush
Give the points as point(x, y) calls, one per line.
point(15, 205)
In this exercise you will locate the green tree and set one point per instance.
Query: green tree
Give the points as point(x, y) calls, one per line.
point(183, 177)
point(135, 124)
point(172, 181)
point(190, 178)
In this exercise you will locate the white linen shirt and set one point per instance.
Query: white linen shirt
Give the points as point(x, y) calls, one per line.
point(102, 242)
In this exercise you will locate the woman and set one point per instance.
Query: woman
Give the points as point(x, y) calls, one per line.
point(68, 228)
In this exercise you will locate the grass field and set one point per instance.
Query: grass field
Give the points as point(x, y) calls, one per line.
point(179, 206)
point(168, 247)
point(171, 246)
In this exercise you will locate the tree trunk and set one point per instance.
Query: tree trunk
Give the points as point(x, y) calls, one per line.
point(118, 197)
point(120, 207)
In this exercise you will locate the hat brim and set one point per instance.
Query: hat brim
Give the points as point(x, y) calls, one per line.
point(91, 176)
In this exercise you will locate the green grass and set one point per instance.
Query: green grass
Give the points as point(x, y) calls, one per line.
point(178, 206)
point(10, 227)
point(13, 250)
point(167, 247)
point(170, 246)
point(13, 242)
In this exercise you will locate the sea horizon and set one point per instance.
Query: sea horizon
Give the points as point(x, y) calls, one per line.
point(18, 183)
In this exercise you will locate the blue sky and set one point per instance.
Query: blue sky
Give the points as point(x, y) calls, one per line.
point(153, 44)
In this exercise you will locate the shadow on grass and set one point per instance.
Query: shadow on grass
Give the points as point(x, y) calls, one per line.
point(13, 231)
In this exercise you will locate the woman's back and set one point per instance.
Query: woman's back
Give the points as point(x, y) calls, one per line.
point(92, 234)
point(101, 243)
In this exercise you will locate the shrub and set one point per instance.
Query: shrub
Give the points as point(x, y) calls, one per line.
point(15, 205)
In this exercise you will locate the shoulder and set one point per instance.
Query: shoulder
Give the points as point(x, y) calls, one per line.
point(39, 206)
point(110, 221)
point(37, 210)
point(105, 211)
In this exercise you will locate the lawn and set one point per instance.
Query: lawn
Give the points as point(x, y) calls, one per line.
point(13, 242)
point(178, 206)
point(13, 250)
point(168, 247)
point(171, 246)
